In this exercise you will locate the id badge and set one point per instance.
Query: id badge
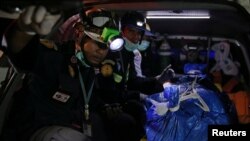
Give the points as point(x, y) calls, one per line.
point(87, 129)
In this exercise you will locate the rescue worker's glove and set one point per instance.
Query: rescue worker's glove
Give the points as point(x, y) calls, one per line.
point(166, 75)
point(143, 97)
point(37, 20)
point(111, 111)
point(160, 108)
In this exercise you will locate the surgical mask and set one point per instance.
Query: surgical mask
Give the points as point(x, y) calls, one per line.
point(81, 58)
point(132, 46)
point(144, 45)
point(129, 45)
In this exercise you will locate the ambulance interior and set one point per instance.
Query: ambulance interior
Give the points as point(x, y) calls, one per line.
point(218, 32)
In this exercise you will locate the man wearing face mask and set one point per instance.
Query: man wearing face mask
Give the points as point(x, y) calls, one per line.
point(128, 78)
point(146, 49)
point(133, 29)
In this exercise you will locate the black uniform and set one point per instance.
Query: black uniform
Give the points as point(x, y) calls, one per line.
point(126, 92)
point(125, 67)
point(50, 95)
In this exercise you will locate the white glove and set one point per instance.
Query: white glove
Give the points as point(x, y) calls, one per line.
point(143, 97)
point(160, 107)
point(37, 20)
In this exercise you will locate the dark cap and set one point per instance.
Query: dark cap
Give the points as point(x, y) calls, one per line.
point(136, 20)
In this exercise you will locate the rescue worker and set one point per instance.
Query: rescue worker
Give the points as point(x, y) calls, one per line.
point(126, 79)
point(147, 51)
point(57, 100)
point(118, 124)
point(133, 29)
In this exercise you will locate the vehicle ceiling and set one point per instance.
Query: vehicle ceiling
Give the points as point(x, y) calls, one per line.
point(228, 19)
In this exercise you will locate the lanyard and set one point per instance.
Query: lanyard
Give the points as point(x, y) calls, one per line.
point(85, 95)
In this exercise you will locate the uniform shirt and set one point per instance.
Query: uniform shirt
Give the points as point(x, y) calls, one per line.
point(50, 94)
point(125, 67)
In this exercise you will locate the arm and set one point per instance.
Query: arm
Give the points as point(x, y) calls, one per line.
point(17, 40)
point(145, 85)
point(149, 85)
point(34, 20)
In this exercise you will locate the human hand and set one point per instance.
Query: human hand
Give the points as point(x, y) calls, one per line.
point(160, 108)
point(112, 110)
point(166, 74)
point(143, 97)
point(37, 20)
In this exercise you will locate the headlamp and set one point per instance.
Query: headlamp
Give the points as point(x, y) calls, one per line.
point(139, 23)
point(112, 37)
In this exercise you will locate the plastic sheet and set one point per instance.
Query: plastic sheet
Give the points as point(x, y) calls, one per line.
point(183, 112)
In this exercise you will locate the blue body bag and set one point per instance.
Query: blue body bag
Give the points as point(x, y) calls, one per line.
point(183, 111)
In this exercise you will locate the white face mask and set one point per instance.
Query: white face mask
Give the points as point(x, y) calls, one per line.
point(132, 46)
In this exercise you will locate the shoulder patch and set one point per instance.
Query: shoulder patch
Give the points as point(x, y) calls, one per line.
point(48, 43)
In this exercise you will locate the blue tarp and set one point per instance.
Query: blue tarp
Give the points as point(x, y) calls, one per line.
point(183, 112)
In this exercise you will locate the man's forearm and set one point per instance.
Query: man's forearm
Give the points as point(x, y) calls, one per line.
point(17, 40)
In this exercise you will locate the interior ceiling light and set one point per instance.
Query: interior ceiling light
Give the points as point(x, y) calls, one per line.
point(180, 14)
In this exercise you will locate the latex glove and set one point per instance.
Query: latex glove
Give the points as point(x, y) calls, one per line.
point(166, 74)
point(160, 107)
point(37, 20)
point(143, 97)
